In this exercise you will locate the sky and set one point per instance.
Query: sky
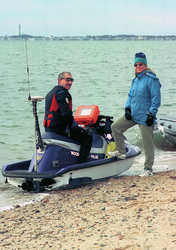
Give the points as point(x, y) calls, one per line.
point(88, 17)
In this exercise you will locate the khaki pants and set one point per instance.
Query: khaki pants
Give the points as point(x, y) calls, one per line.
point(121, 125)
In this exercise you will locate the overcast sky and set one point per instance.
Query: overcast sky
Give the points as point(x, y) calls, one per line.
point(88, 17)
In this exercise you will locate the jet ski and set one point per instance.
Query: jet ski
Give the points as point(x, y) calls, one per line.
point(55, 161)
point(165, 132)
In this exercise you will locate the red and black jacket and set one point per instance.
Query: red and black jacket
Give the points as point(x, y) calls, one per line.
point(58, 109)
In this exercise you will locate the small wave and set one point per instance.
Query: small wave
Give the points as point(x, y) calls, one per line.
point(11, 197)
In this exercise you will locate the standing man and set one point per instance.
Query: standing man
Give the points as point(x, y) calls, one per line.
point(59, 117)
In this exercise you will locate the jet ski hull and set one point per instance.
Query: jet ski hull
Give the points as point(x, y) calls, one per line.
point(73, 176)
point(52, 174)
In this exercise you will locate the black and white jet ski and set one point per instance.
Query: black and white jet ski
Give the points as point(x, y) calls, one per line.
point(55, 161)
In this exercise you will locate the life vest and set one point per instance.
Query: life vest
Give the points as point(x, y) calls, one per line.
point(53, 114)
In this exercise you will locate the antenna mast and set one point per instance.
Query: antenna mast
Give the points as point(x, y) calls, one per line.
point(29, 97)
point(34, 100)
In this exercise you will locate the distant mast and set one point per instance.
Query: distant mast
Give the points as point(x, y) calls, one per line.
point(19, 30)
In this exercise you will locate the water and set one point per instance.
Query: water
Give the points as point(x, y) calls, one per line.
point(103, 71)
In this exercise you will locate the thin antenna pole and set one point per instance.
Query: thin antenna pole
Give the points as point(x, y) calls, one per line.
point(29, 97)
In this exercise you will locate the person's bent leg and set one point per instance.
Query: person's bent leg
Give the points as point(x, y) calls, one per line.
point(118, 128)
point(82, 136)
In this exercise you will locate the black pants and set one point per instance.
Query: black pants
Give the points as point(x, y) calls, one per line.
point(85, 139)
point(79, 134)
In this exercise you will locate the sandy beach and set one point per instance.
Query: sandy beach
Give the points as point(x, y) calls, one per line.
point(128, 212)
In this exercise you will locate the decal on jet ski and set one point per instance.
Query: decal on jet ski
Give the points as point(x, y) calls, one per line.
point(74, 153)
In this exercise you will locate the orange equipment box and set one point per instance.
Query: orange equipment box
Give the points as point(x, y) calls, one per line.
point(87, 114)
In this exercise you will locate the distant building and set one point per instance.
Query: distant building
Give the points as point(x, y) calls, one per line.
point(19, 33)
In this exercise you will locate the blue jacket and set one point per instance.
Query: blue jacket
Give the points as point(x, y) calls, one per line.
point(144, 97)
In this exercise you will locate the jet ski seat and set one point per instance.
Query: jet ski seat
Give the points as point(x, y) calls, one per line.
point(52, 138)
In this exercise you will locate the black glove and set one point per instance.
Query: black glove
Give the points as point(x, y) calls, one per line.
point(74, 125)
point(128, 114)
point(150, 119)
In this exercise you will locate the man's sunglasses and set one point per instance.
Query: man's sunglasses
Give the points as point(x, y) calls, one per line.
point(138, 64)
point(68, 79)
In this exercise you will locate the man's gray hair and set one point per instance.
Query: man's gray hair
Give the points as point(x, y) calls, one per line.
point(62, 75)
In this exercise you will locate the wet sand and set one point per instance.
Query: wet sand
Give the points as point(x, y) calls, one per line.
point(128, 212)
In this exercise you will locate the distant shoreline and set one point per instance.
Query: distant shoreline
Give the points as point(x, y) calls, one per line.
point(91, 38)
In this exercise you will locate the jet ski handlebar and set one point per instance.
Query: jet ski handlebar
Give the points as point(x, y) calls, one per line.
point(103, 124)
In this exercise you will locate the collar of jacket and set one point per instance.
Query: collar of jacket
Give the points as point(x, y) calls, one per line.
point(140, 74)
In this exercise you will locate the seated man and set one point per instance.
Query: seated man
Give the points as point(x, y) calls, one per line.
point(59, 117)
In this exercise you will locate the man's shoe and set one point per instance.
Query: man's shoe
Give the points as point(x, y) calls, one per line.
point(116, 153)
point(146, 173)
